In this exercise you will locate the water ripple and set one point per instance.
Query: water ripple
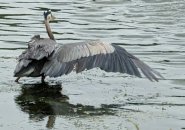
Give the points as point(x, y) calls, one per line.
point(153, 30)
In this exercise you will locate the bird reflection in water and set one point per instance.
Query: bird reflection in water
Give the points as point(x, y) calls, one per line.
point(43, 100)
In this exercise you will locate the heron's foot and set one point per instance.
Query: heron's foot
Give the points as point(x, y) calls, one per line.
point(17, 79)
point(42, 79)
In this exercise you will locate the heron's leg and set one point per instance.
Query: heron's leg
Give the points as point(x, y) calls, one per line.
point(17, 79)
point(51, 121)
point(42, 79)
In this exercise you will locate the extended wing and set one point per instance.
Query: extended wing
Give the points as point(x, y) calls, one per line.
point(91, 54)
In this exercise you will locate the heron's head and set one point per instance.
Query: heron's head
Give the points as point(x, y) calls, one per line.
point(48, 15)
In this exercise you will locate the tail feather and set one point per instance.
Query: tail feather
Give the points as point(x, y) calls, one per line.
point(29, 69)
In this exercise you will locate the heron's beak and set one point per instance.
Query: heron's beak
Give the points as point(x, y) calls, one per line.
point(53, 17)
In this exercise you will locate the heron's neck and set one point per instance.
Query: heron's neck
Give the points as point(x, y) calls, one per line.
point(48, 29)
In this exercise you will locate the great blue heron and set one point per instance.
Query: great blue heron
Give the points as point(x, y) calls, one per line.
point(44, 57)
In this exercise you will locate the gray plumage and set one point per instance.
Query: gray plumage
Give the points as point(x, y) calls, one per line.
point(31, 60)
point(44, 57)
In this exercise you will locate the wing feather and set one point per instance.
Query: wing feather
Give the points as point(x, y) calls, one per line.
point(92, 54)
point(38, 49)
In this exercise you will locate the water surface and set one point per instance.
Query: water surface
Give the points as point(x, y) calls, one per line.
point(153, 30)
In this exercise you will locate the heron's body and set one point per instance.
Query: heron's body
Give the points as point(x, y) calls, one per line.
point(32, 60)
point(44, 57)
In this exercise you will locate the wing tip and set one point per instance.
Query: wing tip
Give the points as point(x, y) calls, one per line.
point(150, 73)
